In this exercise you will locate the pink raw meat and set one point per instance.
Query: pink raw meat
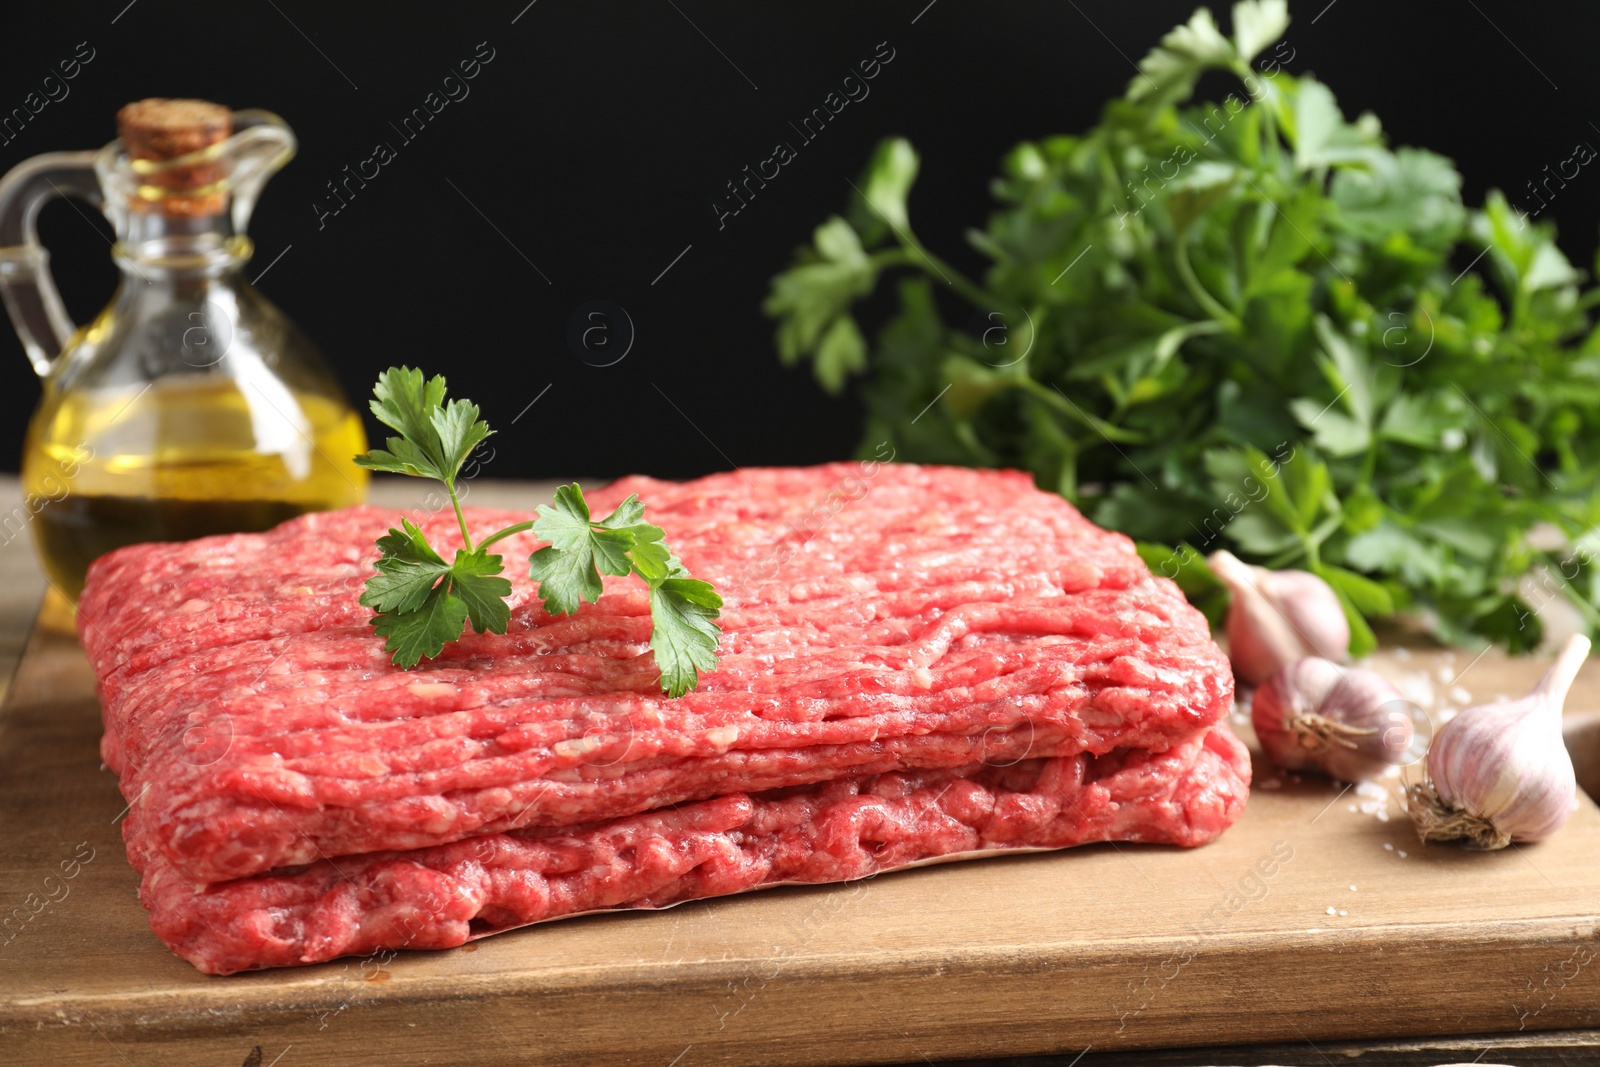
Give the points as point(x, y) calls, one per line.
point(878, 618)
point(847, 828)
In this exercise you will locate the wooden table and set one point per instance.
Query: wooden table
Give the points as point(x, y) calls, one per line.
point(1103, 955)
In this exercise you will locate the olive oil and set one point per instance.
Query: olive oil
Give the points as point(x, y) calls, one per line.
point(179, 457)
point(190, 405)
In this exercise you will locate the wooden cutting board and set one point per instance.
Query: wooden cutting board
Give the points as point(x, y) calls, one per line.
point(1311, 920)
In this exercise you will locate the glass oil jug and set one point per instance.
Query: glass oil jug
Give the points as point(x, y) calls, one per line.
point(190, 405)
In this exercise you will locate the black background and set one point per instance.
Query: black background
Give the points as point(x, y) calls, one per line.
point(599, 135)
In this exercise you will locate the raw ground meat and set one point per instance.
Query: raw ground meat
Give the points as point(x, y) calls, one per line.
point(877, 619)
point(842, 829)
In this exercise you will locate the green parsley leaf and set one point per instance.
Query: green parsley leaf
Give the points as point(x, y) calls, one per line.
point(1320, 134)
point(460, 431)
point(810, 300)
point(473, 578)
point(683, 633)
point(1258, 24)
point(622, 532)
point(566, 579)
point(407, 572)
point(652, 559)
point(1407, 191)
point(565, 568)
point(418, 596)
point(1170, 70)
point(628, 513)
point(841, 352)
point(404, 401)
point(884, 187)
point(401, 457)
point(422, 634)
point(435, 438)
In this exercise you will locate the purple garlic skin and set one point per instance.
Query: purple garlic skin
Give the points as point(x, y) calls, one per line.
point(1345, 722)
point(1500, 773)
point(1278, 617)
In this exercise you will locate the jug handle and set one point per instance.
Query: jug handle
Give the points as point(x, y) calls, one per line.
point(29, 292)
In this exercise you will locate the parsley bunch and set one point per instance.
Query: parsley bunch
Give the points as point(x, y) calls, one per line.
point(423, 603)
point(1247, 324)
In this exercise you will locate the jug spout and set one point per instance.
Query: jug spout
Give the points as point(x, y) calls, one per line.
point(185, 175)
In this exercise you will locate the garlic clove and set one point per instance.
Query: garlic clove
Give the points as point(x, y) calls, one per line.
point(1500, 772)
point(1346, 722)
point(1278, 617)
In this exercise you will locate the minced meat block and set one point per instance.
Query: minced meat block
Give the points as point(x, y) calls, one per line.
point(877, 619)
point(846, 828)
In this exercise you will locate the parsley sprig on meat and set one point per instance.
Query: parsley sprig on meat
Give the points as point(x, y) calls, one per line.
point(683, 631)
point(1248, 324)
point(422, 602)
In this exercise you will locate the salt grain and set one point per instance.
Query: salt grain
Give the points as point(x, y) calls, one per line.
point(1416, 686)
point(1332, 910)
point(1401, 853)
point(1352, 889)
point(1460, 695)
point(1343, 912)
point(1388, 847)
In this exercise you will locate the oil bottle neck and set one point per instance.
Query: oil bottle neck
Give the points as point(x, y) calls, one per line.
point(203, 246)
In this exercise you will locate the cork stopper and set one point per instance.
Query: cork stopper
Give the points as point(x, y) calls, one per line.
point(156, 131)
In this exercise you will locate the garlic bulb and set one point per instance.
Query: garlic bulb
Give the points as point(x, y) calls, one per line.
point(1344, 721)
point(1499, 772)
point(1277, 617)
